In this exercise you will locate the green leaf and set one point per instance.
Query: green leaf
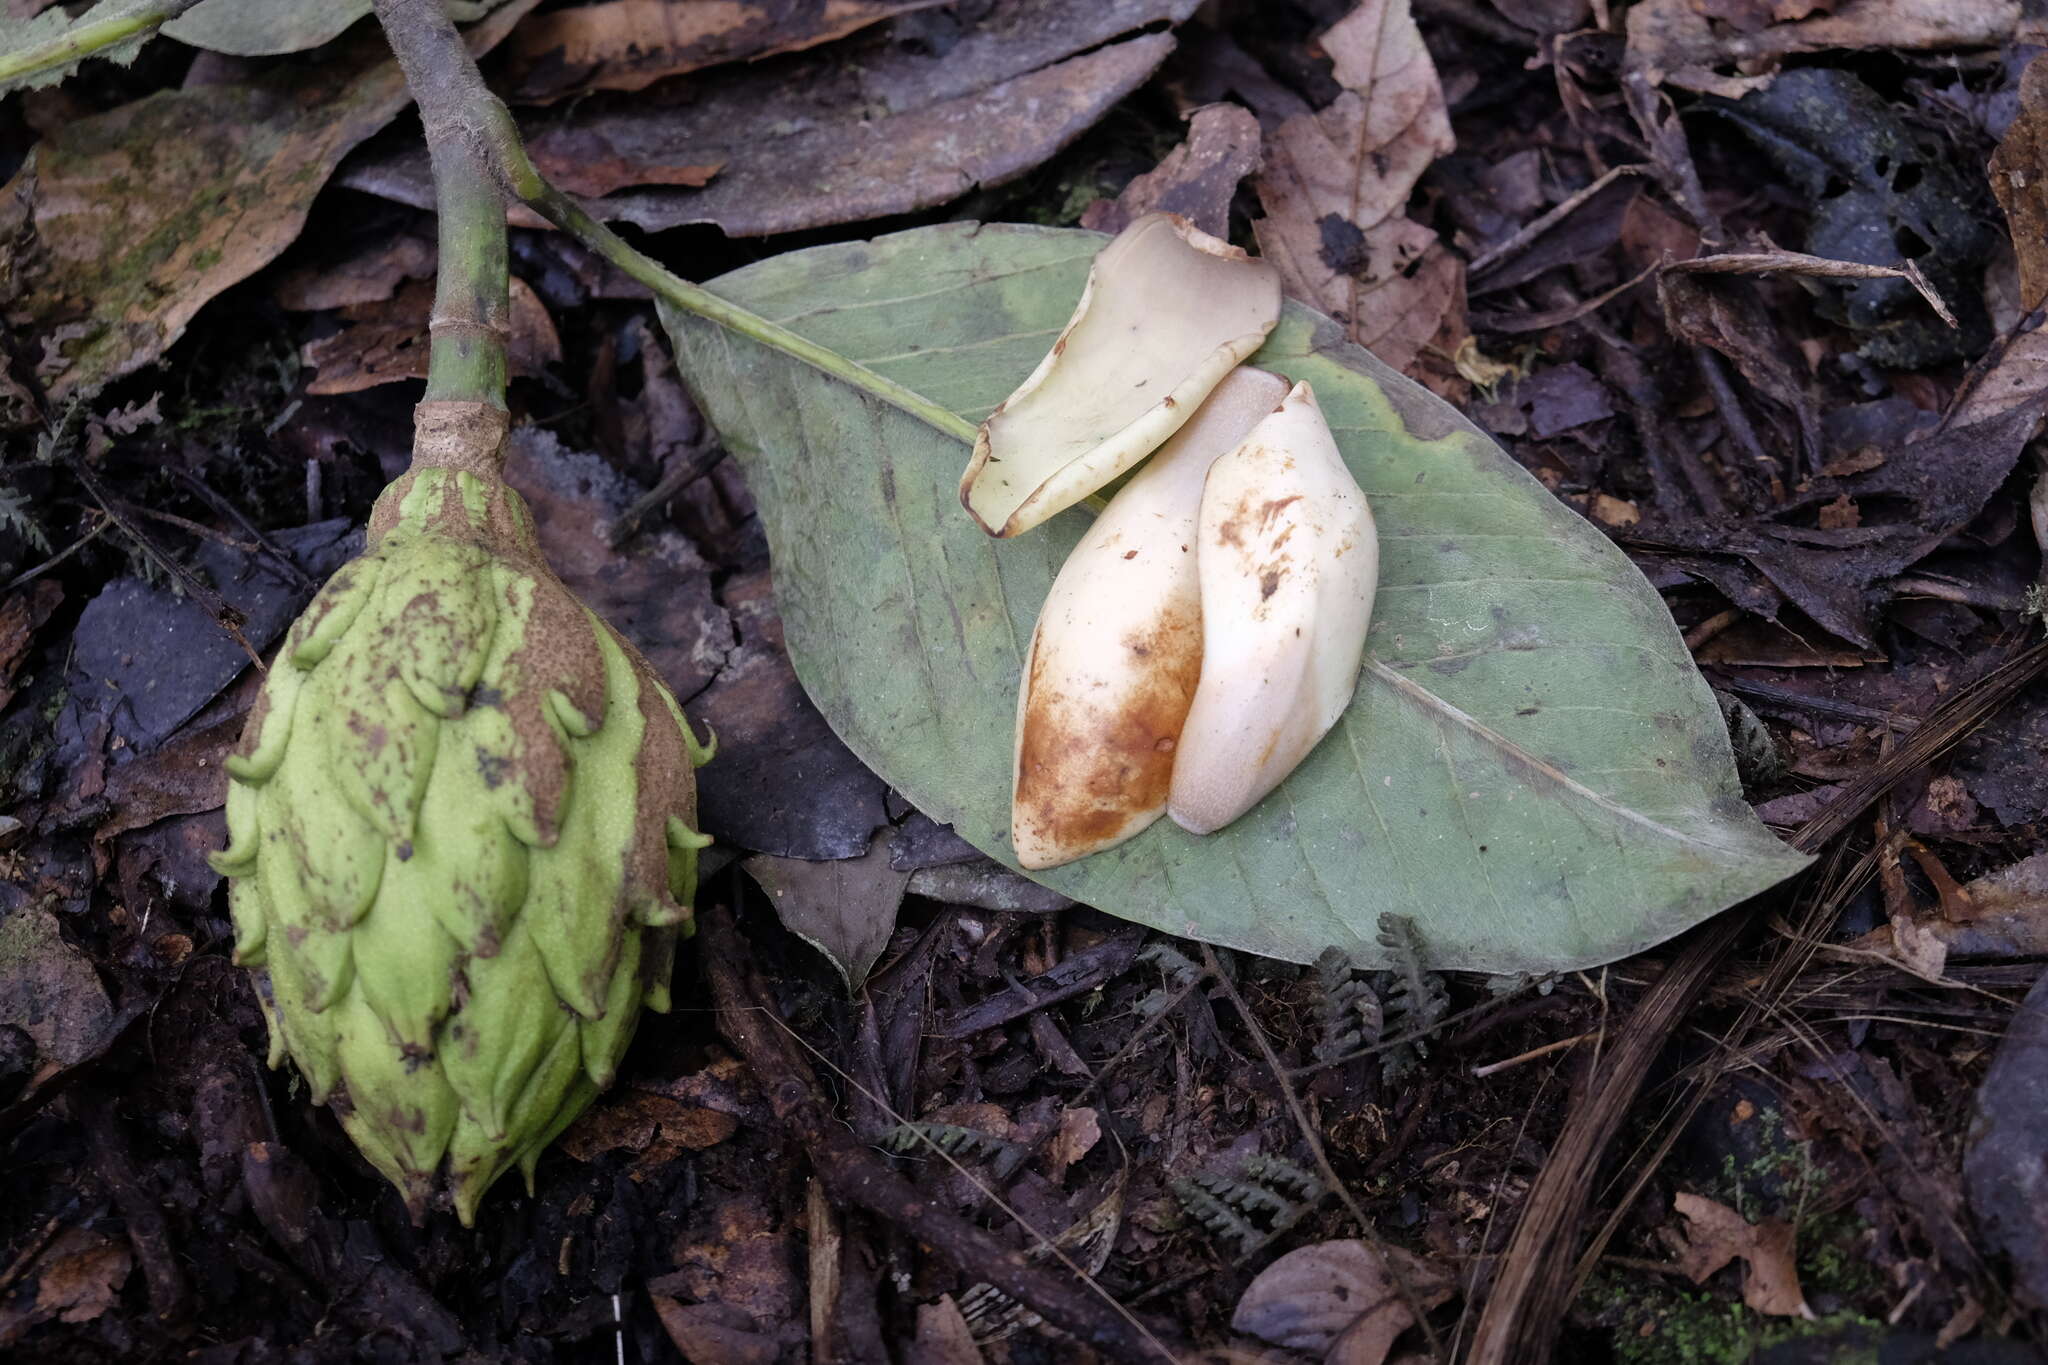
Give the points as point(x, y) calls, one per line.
point(263, 28)
point(1532, 769)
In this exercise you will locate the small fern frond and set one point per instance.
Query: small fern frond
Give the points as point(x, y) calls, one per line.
point(1003, 1156)
point(1351, 1014)
point(1416, 998)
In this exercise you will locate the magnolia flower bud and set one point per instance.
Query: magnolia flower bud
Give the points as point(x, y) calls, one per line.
point(1288, 561)
point(1114, 659)
point(461, 839)
point(1167, 312)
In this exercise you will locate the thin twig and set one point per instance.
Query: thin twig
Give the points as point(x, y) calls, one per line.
point(857, 1176)
point(1494, 1068)
point(452, 92)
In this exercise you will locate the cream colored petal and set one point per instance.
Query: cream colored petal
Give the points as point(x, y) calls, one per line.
point(1167, 312)
point(1288, 560)
point(1113, 662)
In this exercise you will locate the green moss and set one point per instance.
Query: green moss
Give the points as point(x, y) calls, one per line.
point(1655, 1322)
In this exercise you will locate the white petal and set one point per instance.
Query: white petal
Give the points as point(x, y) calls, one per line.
point(1113, 662)
point(1167, 312)
point(1288, 560)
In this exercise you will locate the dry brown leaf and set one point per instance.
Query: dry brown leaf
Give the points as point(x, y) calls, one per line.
point(715, 1333)
point(844, 909)
point(1715, 1234)
point(1196, 180)
point(1335, 190)
point(655, 1127)
point(123, 225)
point(77, 1278)
point(630, 44)
point(1672, 42)
point(1079, 1131)
point(1752, 16)
point(1338, 1298)
point(387, 341)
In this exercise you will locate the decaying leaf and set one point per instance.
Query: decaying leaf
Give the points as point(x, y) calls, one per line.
point(845, 909)
point(1676, 42)
point(631, 44)
point(1338, 1293)
point(943, 1336)
point(77, 1277)
point(1197, 180)
point(2003, 1168)
point(1335, 189)
point(127, 222)
point(810, 139)
point(49, 990)
point(1715, 1234)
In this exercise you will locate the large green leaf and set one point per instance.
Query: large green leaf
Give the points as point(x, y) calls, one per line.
point(1532, 768)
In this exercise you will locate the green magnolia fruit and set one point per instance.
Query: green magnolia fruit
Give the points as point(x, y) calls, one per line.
point(461, 837)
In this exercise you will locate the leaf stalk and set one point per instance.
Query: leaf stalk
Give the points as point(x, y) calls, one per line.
point(91, 36)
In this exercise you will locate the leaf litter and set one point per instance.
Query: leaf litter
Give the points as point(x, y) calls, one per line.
point(1843, 534)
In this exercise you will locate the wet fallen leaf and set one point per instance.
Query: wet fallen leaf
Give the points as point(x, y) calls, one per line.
point(1674, 42)
point(630, 44)
point(48, 989)
point(872, 128)
point(1715, 1234)
point(845, 909)
point(1197, 180)
point(1335, 189)
point(2006, 1165)
point(1546, 16)
point(124, 224)
point(149, 660)
point(1336, 1295)
point(386, 341)
point(1881, 195)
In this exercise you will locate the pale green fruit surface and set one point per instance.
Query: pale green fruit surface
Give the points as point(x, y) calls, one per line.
point(462, 841)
